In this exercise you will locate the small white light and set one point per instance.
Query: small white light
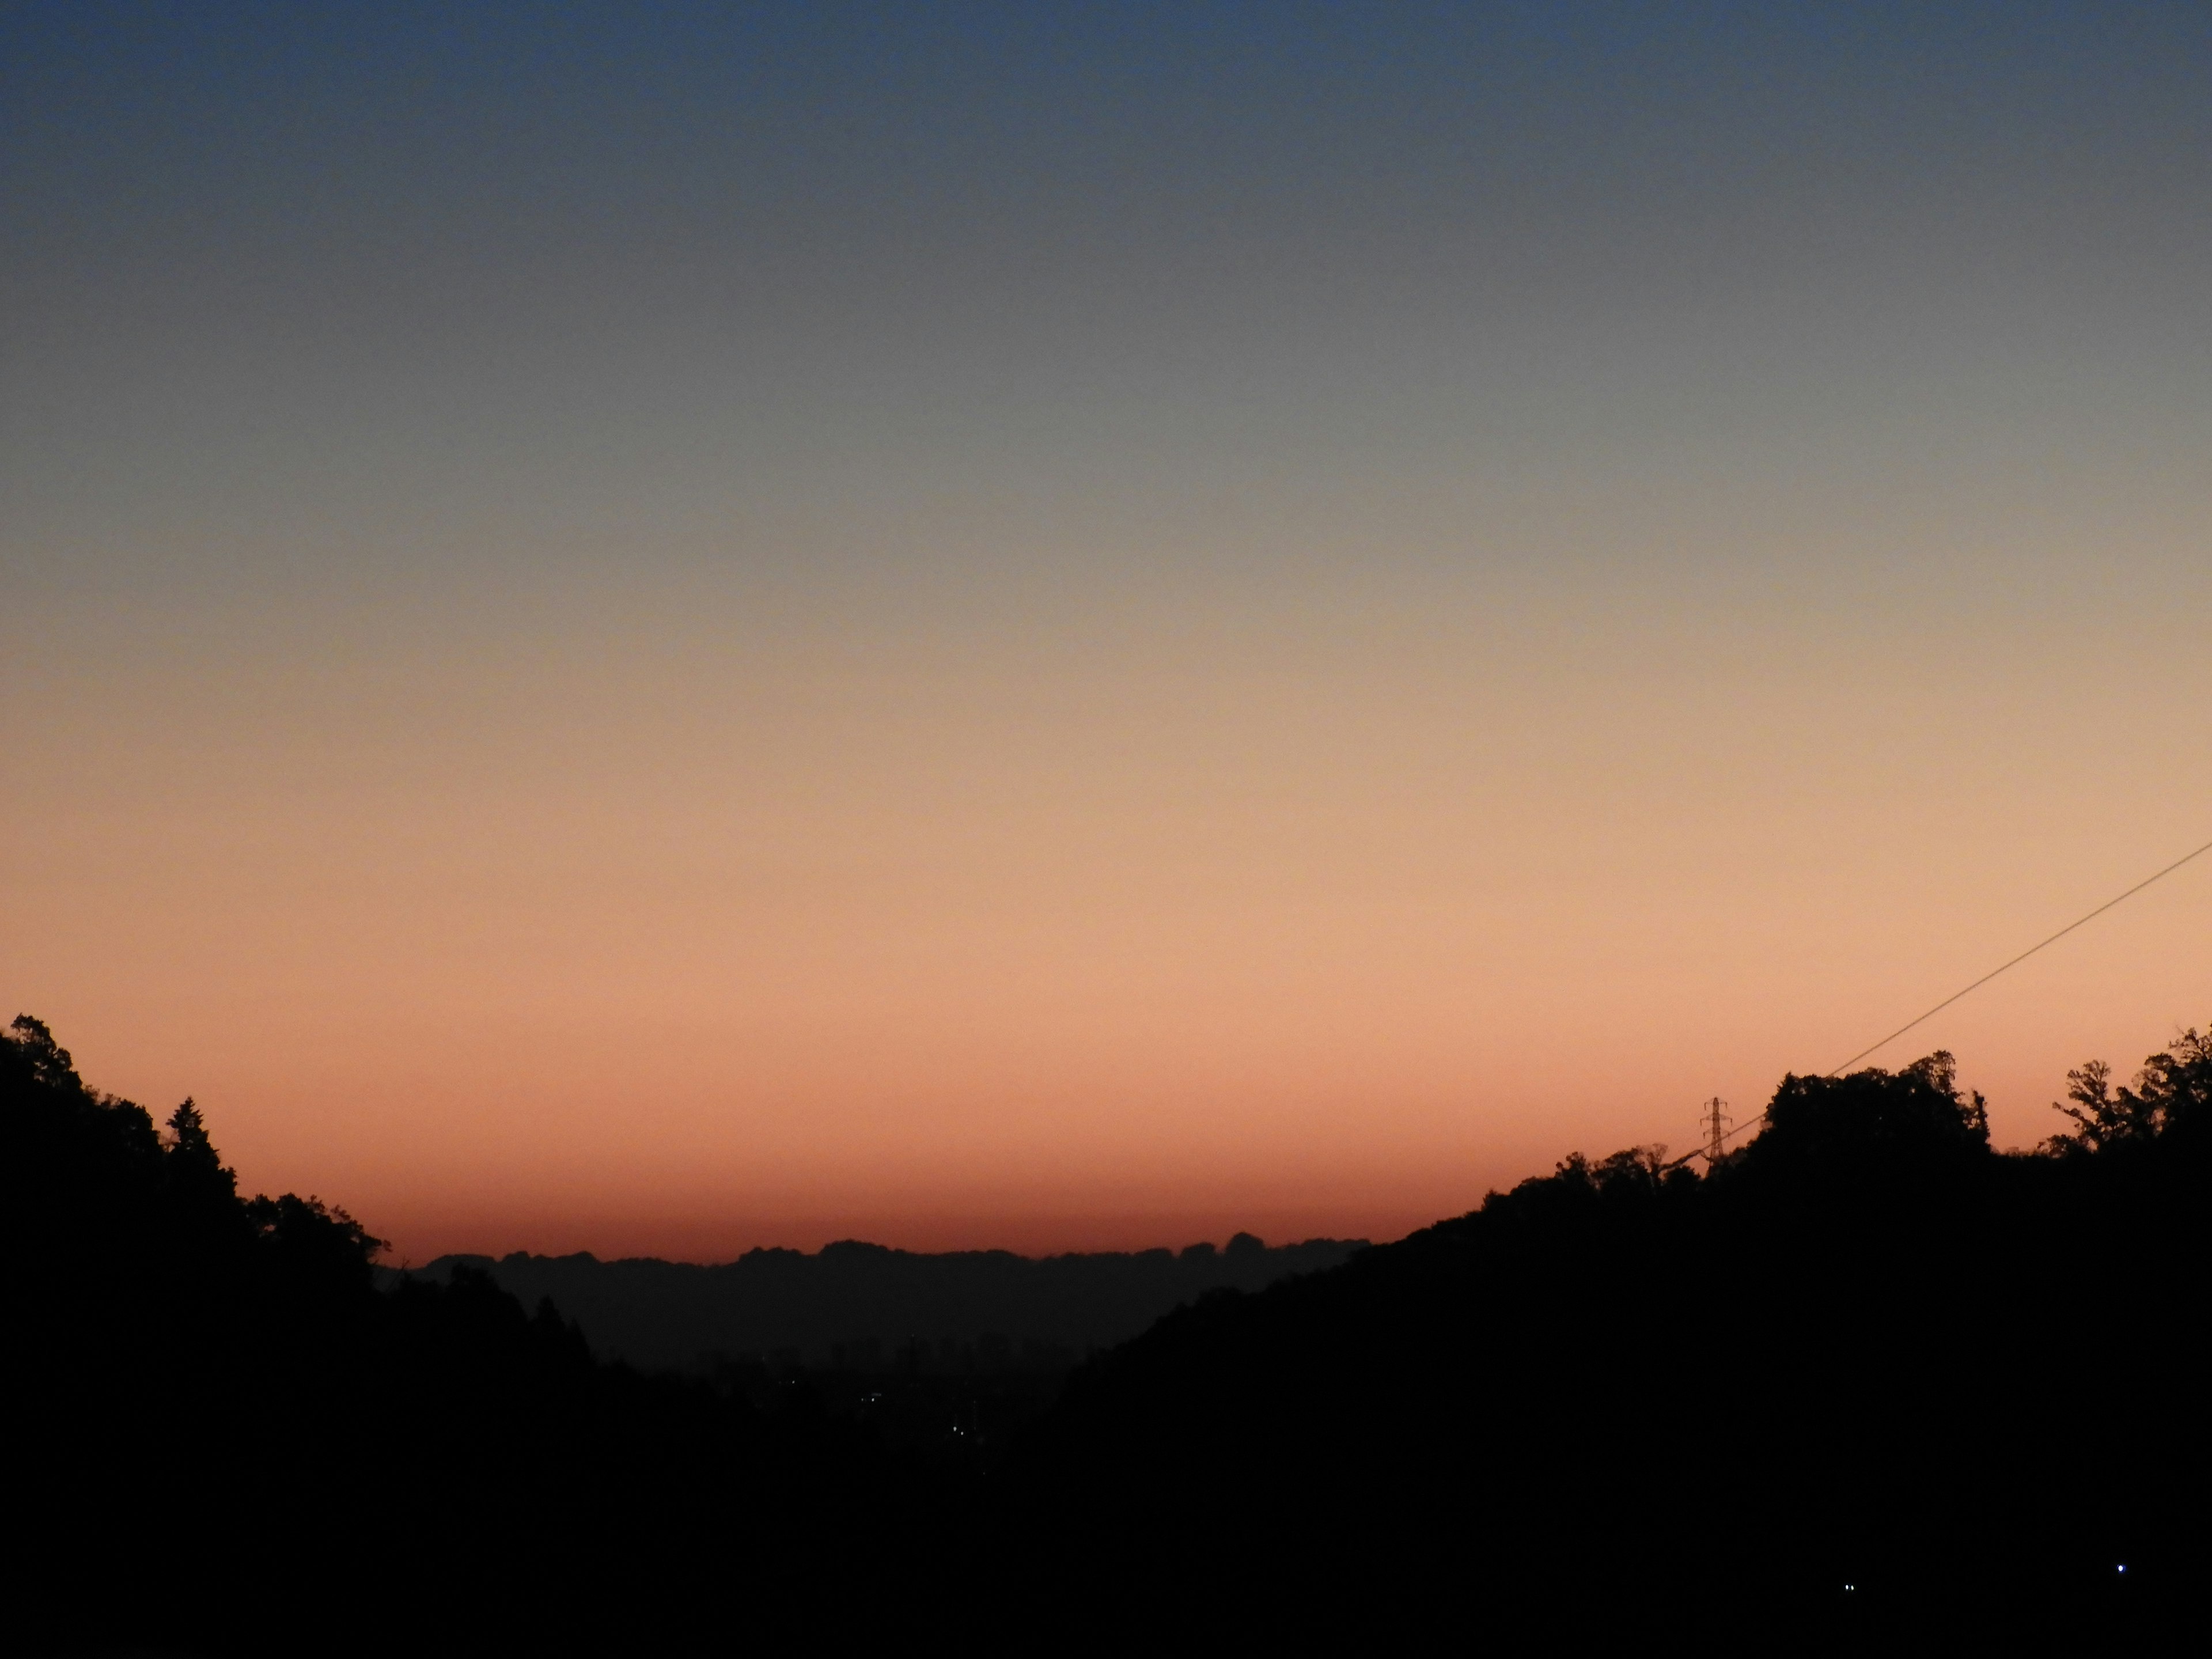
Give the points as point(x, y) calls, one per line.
point(2124, 1566)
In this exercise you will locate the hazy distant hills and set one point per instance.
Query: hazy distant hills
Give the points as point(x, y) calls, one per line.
point(864, 1307)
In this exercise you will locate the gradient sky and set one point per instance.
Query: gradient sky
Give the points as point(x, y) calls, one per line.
point(665, 628)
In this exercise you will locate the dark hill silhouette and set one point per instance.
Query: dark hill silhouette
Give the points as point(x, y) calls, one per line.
point(224, 1439)
point(1868, 1376)
point(863, 1307)
point(1869, 1382)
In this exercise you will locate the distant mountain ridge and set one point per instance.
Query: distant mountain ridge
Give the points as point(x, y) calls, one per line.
point(867, 1307)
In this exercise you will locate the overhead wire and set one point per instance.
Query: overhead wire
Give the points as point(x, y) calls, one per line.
point(1705, 1151)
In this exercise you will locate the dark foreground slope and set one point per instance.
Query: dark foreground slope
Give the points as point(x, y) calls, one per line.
point(223, 1439)
point(1869, 1379)
point(1870, 1384)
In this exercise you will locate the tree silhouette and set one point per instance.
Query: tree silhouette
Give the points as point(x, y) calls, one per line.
point(2170, 1093)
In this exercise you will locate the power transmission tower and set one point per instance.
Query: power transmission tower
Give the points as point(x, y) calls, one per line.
point(1717, 1124)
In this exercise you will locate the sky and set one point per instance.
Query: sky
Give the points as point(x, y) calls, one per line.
point(659, 630)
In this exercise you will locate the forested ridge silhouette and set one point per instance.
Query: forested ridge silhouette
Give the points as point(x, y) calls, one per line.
point(1868, 1381)
point(857, 1306)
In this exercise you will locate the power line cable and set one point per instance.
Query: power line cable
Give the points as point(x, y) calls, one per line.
point(1749, 1122)
point(2023, 957)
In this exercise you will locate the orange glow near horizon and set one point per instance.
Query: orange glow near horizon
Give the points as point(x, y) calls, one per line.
point(653, 937)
